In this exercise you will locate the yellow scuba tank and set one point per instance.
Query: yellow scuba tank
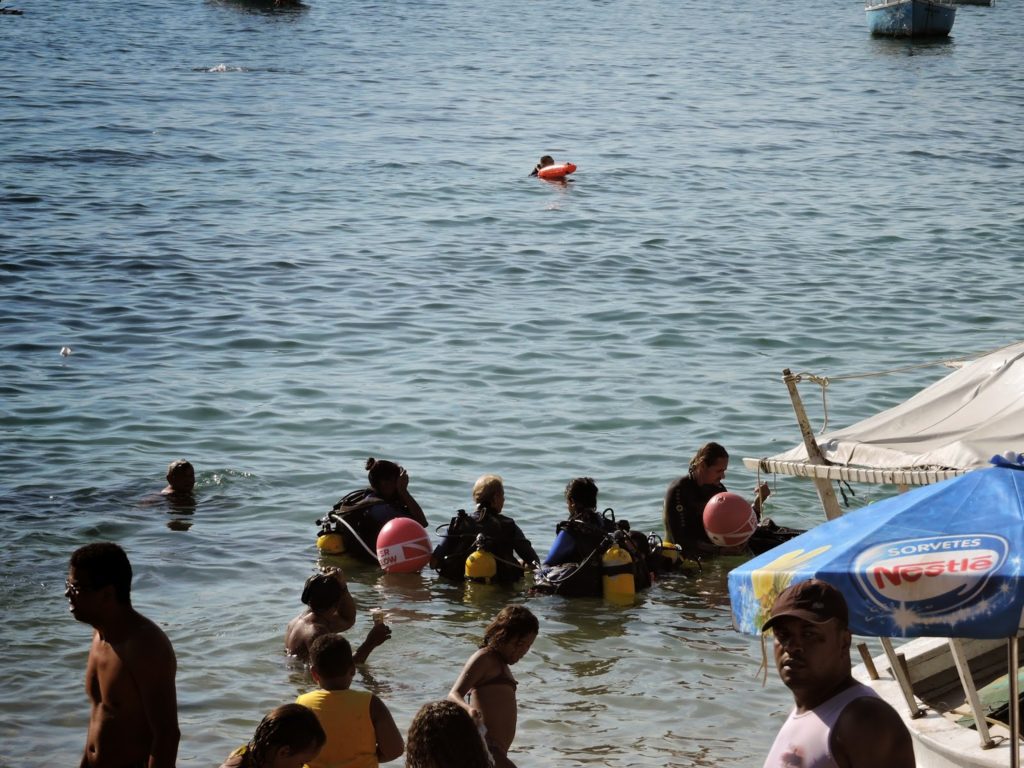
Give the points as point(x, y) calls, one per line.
point(481, 565)
point(676, 561)
point(617, 575)
point(330, 544)
point(689, 567)
point(670, 552)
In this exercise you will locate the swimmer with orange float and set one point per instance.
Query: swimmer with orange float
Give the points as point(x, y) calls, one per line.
point(548, 170)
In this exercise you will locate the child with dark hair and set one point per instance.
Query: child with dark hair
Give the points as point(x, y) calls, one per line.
point(331, 610)
point(486, 689)
point(443, 735)
point(288, 737)
point(360, 729)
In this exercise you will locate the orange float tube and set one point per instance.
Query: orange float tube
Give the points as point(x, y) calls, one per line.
point(556, 172)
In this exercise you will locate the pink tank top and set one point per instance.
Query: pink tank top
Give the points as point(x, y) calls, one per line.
point(803, 740)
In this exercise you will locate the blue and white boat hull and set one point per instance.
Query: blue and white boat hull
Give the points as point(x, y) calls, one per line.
point(910, 18)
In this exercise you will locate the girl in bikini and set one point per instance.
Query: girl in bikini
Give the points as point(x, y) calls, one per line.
point(486, 689)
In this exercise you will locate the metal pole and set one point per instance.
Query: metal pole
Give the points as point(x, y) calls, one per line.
point(970, 691)
point(1013, 662)
point(826, 493)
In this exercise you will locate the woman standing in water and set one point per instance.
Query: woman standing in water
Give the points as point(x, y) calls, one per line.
point(367, 510)
point(486, 688)
point(501, 536)
point(687, 496)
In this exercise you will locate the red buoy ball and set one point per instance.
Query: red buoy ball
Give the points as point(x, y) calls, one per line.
point(729, 519)
point(403, 546)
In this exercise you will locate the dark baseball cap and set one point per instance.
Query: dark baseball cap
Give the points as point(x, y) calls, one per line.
point(813, 600)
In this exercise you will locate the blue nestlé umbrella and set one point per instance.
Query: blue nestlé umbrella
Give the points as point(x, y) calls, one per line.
point(943, 560)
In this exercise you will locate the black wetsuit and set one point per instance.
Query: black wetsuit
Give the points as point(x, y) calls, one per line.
point(573, 565)
point(684, 513)
point(502, 538)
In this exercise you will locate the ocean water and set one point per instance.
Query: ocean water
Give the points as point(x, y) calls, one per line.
point(280, 241)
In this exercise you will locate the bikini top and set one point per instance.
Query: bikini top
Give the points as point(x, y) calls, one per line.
point(504, 677)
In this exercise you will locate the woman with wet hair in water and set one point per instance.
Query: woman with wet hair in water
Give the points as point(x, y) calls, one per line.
point(288, 737)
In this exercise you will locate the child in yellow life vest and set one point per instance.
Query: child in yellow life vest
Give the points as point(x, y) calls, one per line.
point(361, 733)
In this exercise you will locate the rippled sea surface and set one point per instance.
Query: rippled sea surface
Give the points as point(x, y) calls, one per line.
point(280, 242)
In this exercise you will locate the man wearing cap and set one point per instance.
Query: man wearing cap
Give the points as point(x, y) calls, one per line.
point(837, 722)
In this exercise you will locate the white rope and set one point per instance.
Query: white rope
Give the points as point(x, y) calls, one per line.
point(825, 381)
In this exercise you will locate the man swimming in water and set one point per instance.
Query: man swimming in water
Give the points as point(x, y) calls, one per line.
point(544, 163)
point(129, 677)
point(181, 479)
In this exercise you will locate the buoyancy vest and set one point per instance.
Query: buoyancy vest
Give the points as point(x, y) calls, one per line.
point(573, 565)
point(358, 518)
point(501, 537)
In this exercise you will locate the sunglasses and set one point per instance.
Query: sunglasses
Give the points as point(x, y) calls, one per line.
point(74, 589)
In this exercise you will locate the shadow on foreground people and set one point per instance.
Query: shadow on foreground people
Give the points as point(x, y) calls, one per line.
point(443, 735)
point(288, 737)
point(129, 676)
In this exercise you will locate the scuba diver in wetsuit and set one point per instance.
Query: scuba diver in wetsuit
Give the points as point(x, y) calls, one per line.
point(686, 497)
point(501, 536)
point(573, 564)
point(367, 510)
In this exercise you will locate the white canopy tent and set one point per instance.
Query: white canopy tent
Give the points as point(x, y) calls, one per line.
point(949, 428)
point(946, 429)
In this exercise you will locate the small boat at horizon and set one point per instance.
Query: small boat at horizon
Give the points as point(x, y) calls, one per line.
point(910, 18)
